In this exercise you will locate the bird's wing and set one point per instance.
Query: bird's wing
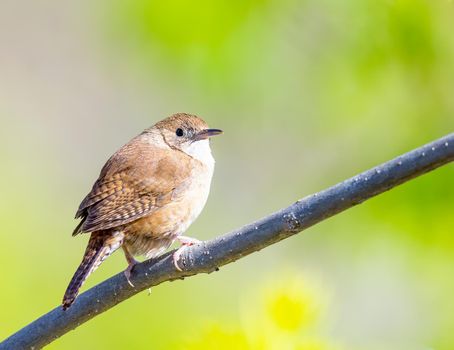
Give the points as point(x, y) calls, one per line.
point(135, 181)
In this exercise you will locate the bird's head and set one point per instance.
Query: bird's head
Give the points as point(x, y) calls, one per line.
point(187, 133)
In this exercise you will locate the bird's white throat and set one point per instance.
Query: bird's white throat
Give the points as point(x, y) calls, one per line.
point(201, 151)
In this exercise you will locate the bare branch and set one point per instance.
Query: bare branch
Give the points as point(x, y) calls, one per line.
point(232, 246)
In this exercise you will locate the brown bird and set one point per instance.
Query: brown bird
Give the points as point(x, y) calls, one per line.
point(146, 196)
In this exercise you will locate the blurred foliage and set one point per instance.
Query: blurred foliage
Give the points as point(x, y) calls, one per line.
point(285, 317)
point(308, 92)
point(209, 39)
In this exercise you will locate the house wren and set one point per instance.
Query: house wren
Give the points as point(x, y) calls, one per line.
point(146, 196)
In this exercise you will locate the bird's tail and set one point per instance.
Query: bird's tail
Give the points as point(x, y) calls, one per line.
point(101, 245)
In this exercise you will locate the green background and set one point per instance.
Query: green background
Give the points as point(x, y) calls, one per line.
point(308, 93)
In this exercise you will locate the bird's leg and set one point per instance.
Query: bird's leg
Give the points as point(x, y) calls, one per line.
point(131, 263)
point(185, 242)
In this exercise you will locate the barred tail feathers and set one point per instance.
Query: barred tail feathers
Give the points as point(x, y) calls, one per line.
point(100, 247)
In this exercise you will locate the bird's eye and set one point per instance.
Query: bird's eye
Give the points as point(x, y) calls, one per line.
point(179, 132)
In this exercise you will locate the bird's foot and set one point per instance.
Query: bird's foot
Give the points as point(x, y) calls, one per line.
point(129, 269)
point(185, 242)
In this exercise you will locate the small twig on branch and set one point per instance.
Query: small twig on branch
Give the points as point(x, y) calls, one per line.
point(232, 246)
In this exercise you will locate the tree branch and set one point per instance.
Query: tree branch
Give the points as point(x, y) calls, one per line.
point(210, 255)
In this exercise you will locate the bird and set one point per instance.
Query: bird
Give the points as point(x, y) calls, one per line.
point(146, 196)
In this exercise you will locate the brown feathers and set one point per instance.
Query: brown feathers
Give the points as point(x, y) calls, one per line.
point(124, 192)
point(146, 195)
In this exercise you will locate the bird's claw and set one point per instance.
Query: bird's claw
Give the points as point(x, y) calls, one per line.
point(185, 243)
point(127, 273)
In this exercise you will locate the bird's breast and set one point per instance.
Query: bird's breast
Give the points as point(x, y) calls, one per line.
point(193, 191)
point(195, 195)
point(174, 217)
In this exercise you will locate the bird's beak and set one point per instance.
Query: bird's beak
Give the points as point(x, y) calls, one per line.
point(207, 133)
